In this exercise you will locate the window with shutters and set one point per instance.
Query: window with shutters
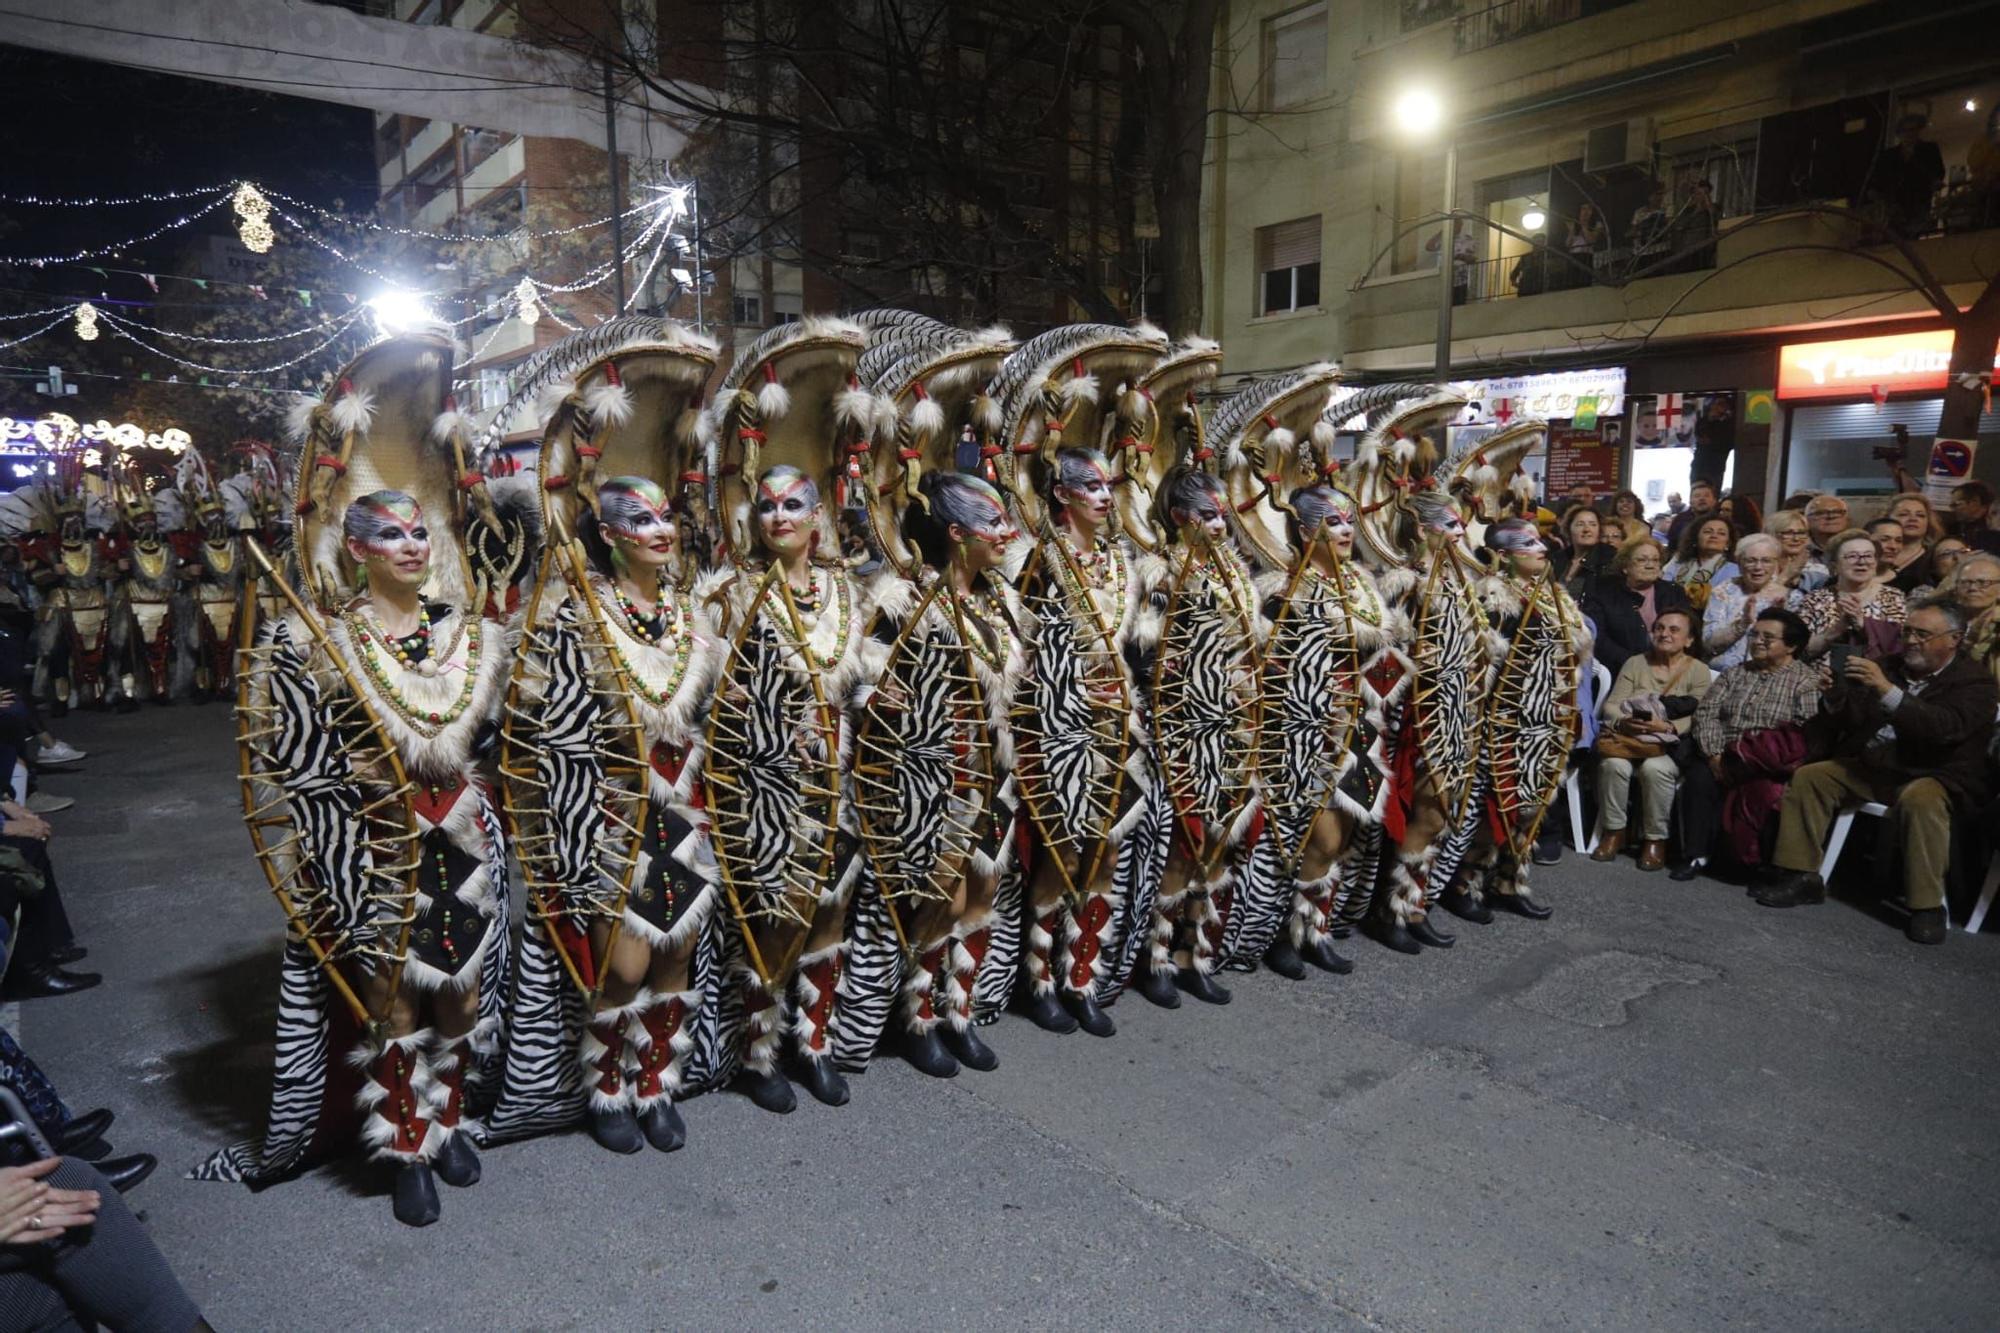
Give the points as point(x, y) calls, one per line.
point(1294, 57)
point(1288, 266)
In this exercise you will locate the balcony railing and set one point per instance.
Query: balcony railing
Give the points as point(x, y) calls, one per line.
point(1511, 19)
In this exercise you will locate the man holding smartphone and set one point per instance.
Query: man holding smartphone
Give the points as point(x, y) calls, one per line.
point(1911, 734)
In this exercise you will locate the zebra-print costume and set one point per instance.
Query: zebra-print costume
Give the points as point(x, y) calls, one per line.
point(952, 968)
point(324, 796)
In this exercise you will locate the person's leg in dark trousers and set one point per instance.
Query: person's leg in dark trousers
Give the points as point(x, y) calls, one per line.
point(32, 1086)
point(45, 927)
point(1697, 813)
point(108, 1273)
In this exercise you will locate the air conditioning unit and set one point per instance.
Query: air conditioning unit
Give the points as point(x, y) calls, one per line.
point(1619, 145)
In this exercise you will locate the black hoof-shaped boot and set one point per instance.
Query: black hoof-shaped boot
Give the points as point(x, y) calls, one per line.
point(1283, 959)
point(1092, 1019)
point(457, 1163)
point(663, 1127)
point(1522, 905)
point(1320, 954)
point(970, 1050)
point(1464, 908)
point(1203, 986)
point(1046, 1013)
point(1157, 985)
point(1423, 932)
point(1390, 934)
point(771, 1091)
point(823, 1081)
point(415, 1198)
point(615, 1130)
point(926, 1053)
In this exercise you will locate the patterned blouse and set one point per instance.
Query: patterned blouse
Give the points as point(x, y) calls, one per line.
point(1725, 606)
point(1821, 609)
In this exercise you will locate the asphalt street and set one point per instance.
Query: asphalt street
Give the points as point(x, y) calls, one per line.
point(1666, 1107)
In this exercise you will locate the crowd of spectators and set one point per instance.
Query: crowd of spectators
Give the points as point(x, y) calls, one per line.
point(1764, 675)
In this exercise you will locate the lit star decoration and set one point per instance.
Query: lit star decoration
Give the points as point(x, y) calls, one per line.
point(527, 306)
point(253, 218)
point(86, 321)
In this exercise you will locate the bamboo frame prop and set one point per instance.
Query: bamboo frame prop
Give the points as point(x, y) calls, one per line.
point(286, 869)
point(1446, 653)
point(726, 783)
point(1111, 741)
point(893, 740)
point(1541, 665)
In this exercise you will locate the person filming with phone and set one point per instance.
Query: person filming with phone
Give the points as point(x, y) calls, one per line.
point(1909, 732)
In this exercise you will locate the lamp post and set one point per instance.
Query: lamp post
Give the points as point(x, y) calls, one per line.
point(1419, 114)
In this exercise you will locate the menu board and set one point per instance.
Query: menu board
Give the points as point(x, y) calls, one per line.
point(1582, 457)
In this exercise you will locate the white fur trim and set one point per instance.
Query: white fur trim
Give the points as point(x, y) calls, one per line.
point(608, 404)
point(851, 407)
point(1079, 388)
point(773, 400)
point(450, 424)
point(927, 418)
point(353, 411)
point(299, 419)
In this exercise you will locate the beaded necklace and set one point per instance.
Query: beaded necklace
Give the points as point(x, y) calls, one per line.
point(1362, 599)
point(673, 614)
point(1101, 569)
point(995, 624)
point(377, 645)
point(807, 606)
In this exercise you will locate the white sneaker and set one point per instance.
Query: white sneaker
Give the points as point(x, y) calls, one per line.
point(62, 752)
point(41, 803)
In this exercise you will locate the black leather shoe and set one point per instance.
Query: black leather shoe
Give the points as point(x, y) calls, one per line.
point(663, 1127)
point(83, 1130)
point(94, 1151)
point(69, 953)
point(1423, 932)
point(1202, 986)
point(37, 983)
point(615, 1131)
point(925, 1051)
point(822, 1080)
point(1547, 851)
point(415, 1200)
point(1047, 1013)
point(1521, 905)
point(771, 1091)
point(970, 1050)
point(1801, 888)
point(126, 1173)
point(1926, 926)
point(1089, 1016)
point(1157, 985)
point(457, 1163)
point(1464, 908)
point(1683, 871)
point(1321, 955)
point(1283, 958)
point(1390, 934)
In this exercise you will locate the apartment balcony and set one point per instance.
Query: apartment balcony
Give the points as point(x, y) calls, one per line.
point(1761, 279)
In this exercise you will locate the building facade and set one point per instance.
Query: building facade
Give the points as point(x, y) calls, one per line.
point(1655, 197)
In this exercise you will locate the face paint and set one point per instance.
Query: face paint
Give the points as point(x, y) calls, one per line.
point(389, 537)
point(787, 506)
point(1082, 487)
point(638, 521)
point(1196, 505)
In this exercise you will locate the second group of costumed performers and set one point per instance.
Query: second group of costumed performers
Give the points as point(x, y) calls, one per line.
point(916, 676)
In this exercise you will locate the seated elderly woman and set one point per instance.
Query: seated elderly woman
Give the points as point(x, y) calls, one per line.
point(1624, 603)
point(1734, 604)
point(1975, 588)
point(1649, 709)
point(1798, 570)
point(1746, 743)
point(1858, 607)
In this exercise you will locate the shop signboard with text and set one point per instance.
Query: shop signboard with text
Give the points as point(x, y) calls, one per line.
point(1855, 367)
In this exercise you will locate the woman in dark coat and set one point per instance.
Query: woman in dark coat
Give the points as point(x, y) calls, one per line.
point(1624, 602)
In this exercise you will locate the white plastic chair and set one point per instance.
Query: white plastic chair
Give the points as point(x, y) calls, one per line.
point(1837, 839)
point(1600, 675)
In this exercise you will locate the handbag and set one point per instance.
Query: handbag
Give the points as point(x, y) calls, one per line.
point(1614, 744)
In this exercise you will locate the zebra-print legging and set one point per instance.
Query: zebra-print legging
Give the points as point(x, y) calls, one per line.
point(110, 1273)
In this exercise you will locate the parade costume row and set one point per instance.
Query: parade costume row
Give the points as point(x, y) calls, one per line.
point(909, 676)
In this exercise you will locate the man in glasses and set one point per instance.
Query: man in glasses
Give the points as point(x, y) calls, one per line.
point(1972, 516)
point(1746, 742)
point(1826, 518)
point(1911, 734)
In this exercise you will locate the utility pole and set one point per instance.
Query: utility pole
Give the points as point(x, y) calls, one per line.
point(617, 209)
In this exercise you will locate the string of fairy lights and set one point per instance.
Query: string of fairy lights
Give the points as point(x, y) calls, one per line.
point(264, 217)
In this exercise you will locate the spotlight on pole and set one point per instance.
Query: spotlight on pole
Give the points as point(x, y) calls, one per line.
point(1418, 112)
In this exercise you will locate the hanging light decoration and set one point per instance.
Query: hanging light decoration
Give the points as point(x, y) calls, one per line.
point(527, 304)
point(86, 321)
point(253, 218)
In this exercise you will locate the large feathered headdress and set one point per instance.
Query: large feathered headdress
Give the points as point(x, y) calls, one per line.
point(1270, 437)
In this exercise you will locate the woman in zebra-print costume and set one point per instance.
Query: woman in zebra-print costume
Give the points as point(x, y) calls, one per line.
point(787, 690)
point(1204, 697)
point(1334, 673)
point(431, 674)
point(962, 651)
point(1085, 764)
point(633, 1049)
point(1538, 639)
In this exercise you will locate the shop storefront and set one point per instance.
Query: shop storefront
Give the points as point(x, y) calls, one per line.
point(1845, 401)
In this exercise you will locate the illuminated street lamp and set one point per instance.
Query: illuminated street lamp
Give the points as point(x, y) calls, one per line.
point(1419, 115)
point(399, 311)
